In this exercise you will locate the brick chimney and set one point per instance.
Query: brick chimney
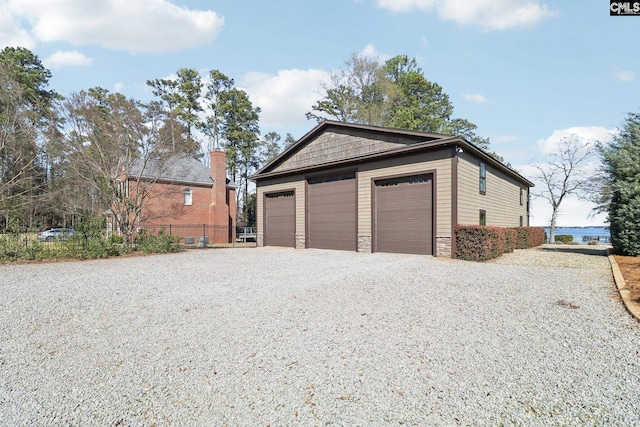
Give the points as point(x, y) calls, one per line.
point(219, 208)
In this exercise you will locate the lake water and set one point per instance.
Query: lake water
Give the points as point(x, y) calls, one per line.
point(579, 232)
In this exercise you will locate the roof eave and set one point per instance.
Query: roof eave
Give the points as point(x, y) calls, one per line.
point(359, 159)
point(327, 123)
point(431, 144)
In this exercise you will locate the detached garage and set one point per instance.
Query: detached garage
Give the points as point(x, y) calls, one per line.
point(369, 189)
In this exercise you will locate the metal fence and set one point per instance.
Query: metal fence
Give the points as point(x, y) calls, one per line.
point(203, 234)
point(18, 243)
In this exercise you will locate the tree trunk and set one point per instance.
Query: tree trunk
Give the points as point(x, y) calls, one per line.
point(552, 226)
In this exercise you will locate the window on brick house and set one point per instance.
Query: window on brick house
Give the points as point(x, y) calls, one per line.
point(188, 197)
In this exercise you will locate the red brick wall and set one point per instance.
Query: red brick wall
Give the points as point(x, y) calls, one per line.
point(211, 205)
point(166, 205)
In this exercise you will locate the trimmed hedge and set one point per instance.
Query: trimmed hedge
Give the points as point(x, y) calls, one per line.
point(480, 243)
point(564, 238)
point(530, 237)
point(512, 239)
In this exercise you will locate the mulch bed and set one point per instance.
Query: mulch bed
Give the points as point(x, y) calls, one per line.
point(630, 268)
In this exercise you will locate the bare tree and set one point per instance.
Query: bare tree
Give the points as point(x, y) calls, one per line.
point(114, 157)
point(563, 175)
point(17, 149)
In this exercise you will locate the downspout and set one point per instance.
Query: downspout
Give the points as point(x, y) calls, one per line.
point(454, 196)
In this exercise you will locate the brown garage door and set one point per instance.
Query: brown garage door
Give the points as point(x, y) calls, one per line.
point(404, 215)
point(280, 219)
point(331, 214)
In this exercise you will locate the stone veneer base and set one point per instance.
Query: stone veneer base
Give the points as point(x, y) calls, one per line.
point(443, 247)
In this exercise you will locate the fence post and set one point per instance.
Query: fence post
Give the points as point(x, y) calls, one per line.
point(169, 229)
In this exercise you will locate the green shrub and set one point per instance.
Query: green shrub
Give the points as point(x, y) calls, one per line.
point(10, 247)
point(116, 239)
point(160, 243)
point(564, 238)
point(94, 248)
point(33, 251)
point(511, 239)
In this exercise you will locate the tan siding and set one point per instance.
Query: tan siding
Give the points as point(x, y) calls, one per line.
point(501, 201)
point(293, 183)
point(414, 165)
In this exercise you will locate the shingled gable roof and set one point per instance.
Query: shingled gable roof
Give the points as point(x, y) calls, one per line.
point(377, 142)
point(182, 168)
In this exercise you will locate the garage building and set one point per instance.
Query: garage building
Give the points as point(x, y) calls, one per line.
point(371, 189)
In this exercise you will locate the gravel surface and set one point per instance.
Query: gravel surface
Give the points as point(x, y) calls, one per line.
point(250, 337)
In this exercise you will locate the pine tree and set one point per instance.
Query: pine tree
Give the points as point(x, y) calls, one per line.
point(621, 164)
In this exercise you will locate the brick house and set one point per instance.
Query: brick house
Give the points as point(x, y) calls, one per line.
point(188, 199)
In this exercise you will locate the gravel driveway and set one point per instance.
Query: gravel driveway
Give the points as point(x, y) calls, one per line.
point(250, 337)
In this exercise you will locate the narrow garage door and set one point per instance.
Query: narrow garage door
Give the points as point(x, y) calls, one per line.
point(404, 215)
point(331, 212)
point(280, 219)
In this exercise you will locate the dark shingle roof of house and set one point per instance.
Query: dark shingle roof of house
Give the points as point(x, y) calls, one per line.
point(181, 168)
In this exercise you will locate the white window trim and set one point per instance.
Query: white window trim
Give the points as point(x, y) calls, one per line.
point(187, 197)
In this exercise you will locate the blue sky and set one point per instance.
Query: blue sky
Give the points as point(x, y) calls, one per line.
point(527, 72)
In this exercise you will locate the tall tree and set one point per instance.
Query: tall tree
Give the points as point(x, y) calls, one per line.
point(289, 140)
point(356, 94)
point(179, 101)
point(564, 175)
point(189, 90)
point(241, 132)
point(394, 94)
point(270, 148)
point(25, 68)
point(167, 91)
point(423, 105)
point(620, 189)
point(113, 159)
point(28, 119)
point(216, 87)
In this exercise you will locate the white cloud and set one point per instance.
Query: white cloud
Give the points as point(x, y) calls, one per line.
point(149, 26)
point(624, 76)
point(66, 58)
point(370, 52)
point(486, 14)
point(11, 33)
point(587, 135)
point(286, 97)
point(475, 97)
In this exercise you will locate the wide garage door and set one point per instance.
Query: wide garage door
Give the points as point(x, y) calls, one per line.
point(280, 219)
point(404, 215)
point(331, 214)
